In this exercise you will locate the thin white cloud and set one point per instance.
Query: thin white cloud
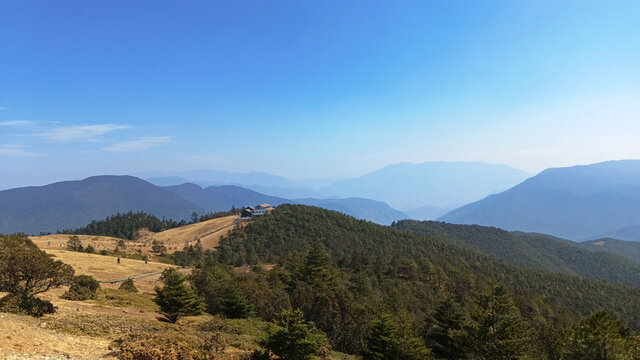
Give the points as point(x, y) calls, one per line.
point(14, 150)
point(138, 144)
point(14, 122)
point(2, 108)
point(79, 132)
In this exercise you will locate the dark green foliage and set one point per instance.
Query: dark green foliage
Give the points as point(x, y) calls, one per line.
point(448, 321)
point(129, 286)
point(535, 251)
point(211, 282)
point(90, 249)
point(32, 306)
point(74, 244)
point(315, 271)
point(177, 298)
point(343, 273)
point(26, 271)
point(125, 226)
point(292, 339)
point(234, 305)
point(628, 249)
point(600, 337)
point(83, 287)
point(389, 340)
point(496, 330)
point(380, 341)
point(376, 260)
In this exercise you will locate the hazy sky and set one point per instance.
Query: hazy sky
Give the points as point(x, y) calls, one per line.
point(313, 88)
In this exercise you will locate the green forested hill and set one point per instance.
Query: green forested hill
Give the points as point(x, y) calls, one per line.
point(381, 265)
point(532, 250)
point(628, 249)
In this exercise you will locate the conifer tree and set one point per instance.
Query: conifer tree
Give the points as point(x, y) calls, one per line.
point(409, 346)
point(599, 337)
point(449, 320)
point(177, 298)
point(381, 340)
point(496, 331)
point(234, 305)
point(292, 339)
point(316, 268)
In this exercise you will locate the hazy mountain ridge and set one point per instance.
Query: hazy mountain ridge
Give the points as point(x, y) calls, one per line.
point(441, 184)
point(580, 202)
point(71, 204)
point(219, 198)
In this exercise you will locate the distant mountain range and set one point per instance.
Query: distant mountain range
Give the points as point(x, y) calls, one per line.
point(431, 185)
point(73, 204)
point(219, 198)
point(577, 203)
point(423, 191)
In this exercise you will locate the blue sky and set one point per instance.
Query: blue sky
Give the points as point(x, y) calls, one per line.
point(313, 89)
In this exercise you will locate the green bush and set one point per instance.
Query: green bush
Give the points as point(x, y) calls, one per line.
point(83, 287)
point(292, 339)
point(129, 286)
point(32, 306)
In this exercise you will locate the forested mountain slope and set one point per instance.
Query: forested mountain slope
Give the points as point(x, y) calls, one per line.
point(532, 250)
point(379, 263)
point(628, 249)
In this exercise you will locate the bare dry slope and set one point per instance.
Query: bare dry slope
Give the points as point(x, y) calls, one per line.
point(209, 233)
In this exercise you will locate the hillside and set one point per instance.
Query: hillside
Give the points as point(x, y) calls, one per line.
point(208, 232)
point(71, 204)
point(577, 203)
point(439, 184)
point(536, 251)
point(628, 249)
point(385, 260)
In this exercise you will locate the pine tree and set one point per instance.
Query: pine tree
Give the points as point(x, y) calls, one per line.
point(599, 337)
point(292, 339)
point(449, 320)
point(381, 340)
point(496, 331)
point(409, 346)
point(389, 340)
point(177, 298)
point(234, 305)
point(316, 268)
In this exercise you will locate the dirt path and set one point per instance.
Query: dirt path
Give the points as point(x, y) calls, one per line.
point(134, 277)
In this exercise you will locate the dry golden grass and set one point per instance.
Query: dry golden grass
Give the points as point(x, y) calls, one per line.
point(106, 268)
point(209, 233)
